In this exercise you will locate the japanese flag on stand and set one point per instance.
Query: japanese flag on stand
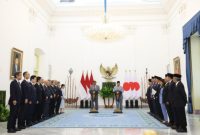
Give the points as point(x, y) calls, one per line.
point(126, 85)
point(137, 91)
point(131, 86)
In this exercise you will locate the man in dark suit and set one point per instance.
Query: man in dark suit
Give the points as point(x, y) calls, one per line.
point(157, 88)
point(149, 96)
point(52, 98)
point(38, 107)
point(25, 87)
point(14, 102)
point(58, 96)
point(32, 101)
point(46, 100)
point(168, 97)
point(180, 100)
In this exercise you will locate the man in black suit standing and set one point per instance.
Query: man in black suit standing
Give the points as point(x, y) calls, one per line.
point(157, 88)
point(58, 96)
point(149, 96)
point(46, 100)
point(168, 97)
point(14, 102)
point(38, 107)
point(32, 101)
point(25, 87)
point(180, 100)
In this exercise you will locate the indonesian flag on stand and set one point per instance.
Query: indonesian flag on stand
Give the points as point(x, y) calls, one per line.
point(87, 81)
point(91, 79)
point(83, 90)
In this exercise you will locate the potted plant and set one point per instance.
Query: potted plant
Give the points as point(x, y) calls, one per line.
point(107, 94)
point(4, 113)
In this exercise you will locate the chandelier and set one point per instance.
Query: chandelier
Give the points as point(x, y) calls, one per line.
point(105, 31)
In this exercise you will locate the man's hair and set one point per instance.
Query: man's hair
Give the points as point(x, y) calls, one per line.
point(33, 77)
point(62, 85)
point(39, 78)
point(118, 81)
point(25, 73)
point(17, 74)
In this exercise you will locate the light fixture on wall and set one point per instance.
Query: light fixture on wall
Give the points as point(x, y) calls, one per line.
point(105, 31)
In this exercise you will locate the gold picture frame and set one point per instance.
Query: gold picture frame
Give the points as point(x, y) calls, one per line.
point(177, 65)
point(16, 61)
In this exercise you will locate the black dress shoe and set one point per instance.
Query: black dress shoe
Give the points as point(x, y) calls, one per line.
point(21, 127)
point(182, 130)
point(11, 131)
point(17, 129)
point(174, 127)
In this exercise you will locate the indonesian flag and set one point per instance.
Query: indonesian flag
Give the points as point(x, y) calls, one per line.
point(83, 90)
point(91, 78)
point(86, 82)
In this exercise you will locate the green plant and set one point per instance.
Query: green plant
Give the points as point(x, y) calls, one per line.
point(107, 90)
point(4, 113)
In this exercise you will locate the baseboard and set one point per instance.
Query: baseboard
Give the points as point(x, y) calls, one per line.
point(196, 111)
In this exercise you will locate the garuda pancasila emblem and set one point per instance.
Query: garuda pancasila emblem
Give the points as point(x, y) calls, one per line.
point(108, 73)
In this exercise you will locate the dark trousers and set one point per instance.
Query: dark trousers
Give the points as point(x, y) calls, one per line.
point(31, 111)
point(14, 111)
point(52, 107)
point(38, 112)
point(180, 120)
point(158, 110)
point(46, 110)
point(58, 105)
point(170, 113)
point(150, 103)
point(23, 115)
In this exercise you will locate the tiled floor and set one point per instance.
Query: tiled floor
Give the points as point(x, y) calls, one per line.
point(193, 129)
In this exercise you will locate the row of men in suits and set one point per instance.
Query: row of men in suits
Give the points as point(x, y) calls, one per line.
point(167, 100)
point(32, 100)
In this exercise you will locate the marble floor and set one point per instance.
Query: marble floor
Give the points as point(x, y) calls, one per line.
point(193, 129)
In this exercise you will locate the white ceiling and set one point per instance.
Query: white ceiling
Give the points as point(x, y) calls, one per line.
point(101, 2)
point(145, 9)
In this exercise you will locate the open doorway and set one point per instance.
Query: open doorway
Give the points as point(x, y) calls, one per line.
point(195, 71)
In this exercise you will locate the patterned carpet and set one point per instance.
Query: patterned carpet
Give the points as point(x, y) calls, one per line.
point(81, 118)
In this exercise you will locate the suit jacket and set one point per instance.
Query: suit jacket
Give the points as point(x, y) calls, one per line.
point(170, 96)
point(47, 94)
point(165, 93)
point(180, 98)
point(38, 92)
point(149, 93)
point(58, 92)
point(15, 92)
point(94, 88)
point(157, 87)
point(26, 92)
point(33, 94)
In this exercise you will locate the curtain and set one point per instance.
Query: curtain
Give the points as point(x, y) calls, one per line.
point(190, 28)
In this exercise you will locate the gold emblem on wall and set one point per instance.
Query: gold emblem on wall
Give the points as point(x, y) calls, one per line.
point(108, 73)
